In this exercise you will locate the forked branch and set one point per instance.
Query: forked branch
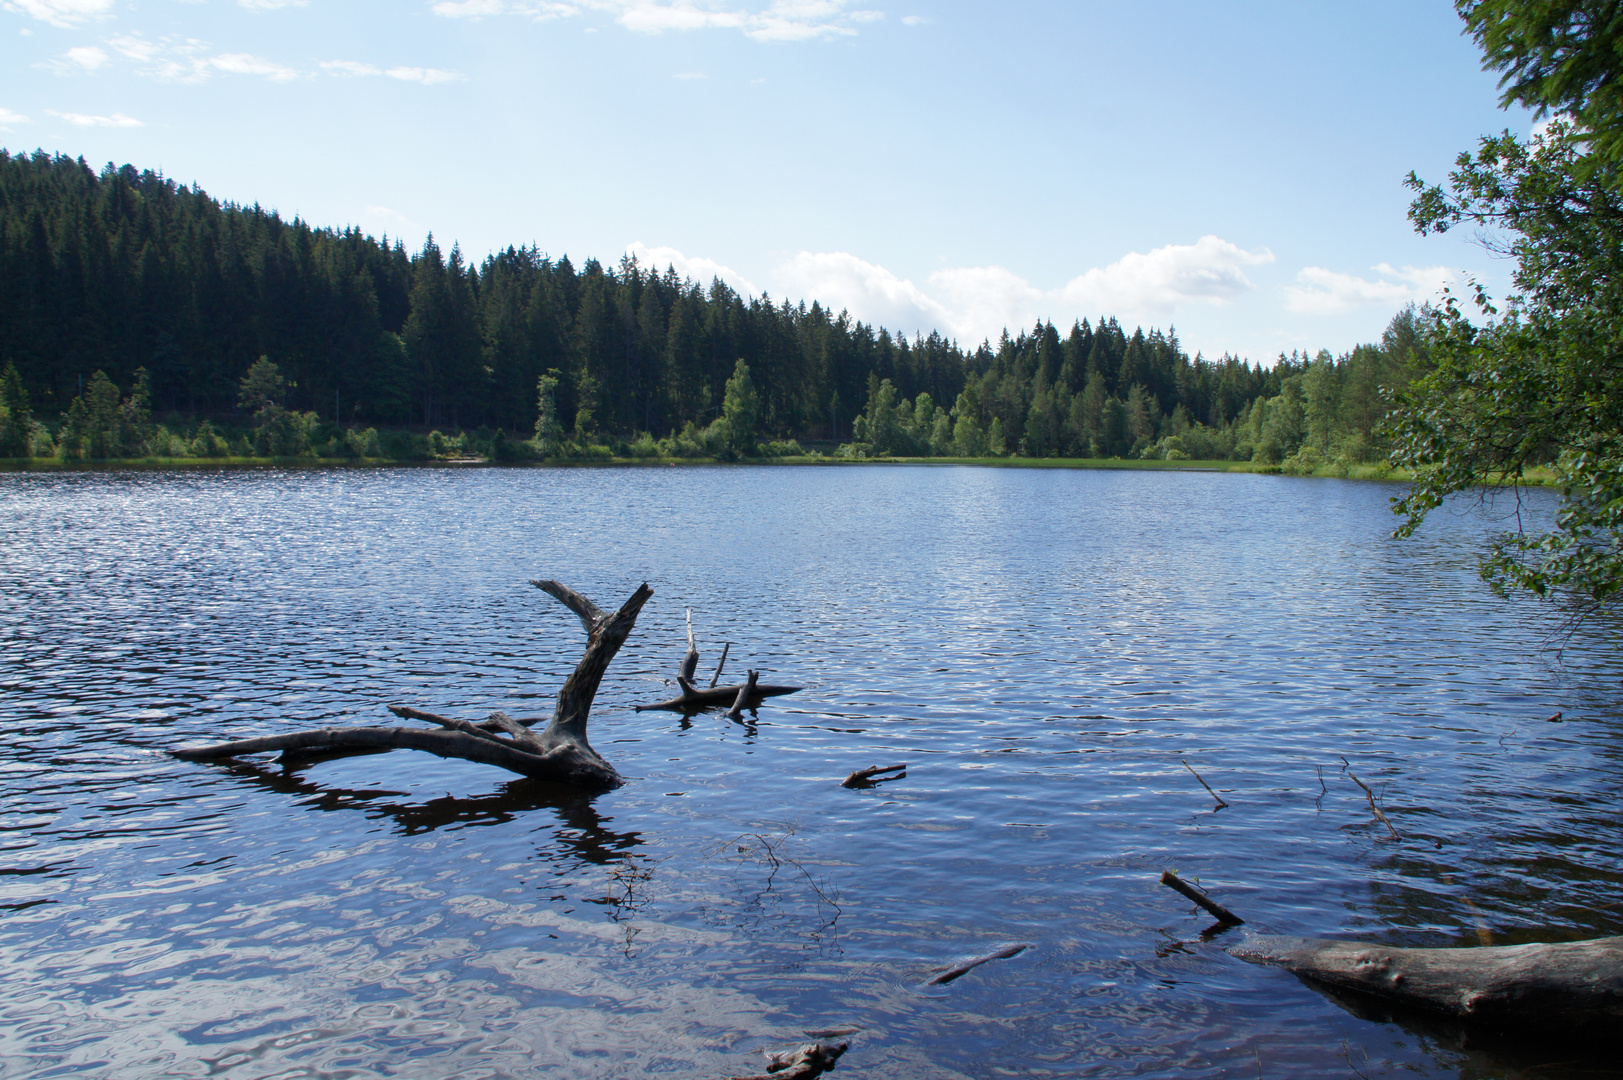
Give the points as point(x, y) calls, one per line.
point(560, 753)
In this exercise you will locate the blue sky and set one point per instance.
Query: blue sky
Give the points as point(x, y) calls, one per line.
point(1233, 169)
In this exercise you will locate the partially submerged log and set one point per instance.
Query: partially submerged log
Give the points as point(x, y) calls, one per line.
point(801, 1063)
point(1565, 986)
point(694, 699)
point(560, 753)
point(739, 696)
point(948, 974)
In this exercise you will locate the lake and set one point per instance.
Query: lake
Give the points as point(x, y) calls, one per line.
point(1044, 649)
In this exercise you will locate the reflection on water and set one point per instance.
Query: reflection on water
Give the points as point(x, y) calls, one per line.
point(1044, 649)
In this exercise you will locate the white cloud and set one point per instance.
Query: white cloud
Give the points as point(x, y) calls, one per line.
point(980, 302)
point(426, 76)
point(914, 20)
point(247, 64)
point(84, 57)
point(117, 120)
point(270, 5)
point(1158, 282)
point(187, 60)
point(842, 281)
point(477, 9)
point(468, 9)
point(779, 20)
point(8, 118)
point(64, 13)
point(350, 67)
point(1326, 292)
point(698, 269)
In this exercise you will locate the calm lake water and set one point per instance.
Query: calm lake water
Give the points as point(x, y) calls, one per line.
point(1044, 649)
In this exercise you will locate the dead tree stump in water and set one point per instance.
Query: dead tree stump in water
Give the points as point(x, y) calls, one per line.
point(560, 753)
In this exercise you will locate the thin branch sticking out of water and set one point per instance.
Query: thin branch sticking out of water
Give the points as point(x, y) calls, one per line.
point(1220, 803)
point(1370, 795)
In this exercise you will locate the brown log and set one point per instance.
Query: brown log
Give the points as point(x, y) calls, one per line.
point(1566, 986)
point(560, 753)
point(802, 1063)
point(693, 699)
point(947, 975)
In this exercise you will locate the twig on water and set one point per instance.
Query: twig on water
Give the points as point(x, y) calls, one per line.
point(1218, 911)
point(1370, 795)
point(1204, 784)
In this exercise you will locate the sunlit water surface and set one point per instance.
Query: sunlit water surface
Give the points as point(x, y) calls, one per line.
point(1044, 649)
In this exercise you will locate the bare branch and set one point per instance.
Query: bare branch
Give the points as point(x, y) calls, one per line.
point(589, 613)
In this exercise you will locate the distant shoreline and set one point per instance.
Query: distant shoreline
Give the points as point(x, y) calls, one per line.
point(1534, 477)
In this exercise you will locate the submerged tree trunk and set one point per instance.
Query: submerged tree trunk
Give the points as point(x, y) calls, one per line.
point(1566, 986)
point(560, 753)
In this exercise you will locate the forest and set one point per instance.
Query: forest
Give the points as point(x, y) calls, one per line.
point(143, 318)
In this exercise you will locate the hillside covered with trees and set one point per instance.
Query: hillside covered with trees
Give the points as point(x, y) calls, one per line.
point(142, 317)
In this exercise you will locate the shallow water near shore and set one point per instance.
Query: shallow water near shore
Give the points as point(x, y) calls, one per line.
point(1044, 649)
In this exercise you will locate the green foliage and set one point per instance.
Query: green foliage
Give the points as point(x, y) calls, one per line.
point(278, 432)
point(549, 434)
point(1535, 383)
point(16, 417)
point(99, 425)
point(1559, 56)
point(206, 443)
point(740, 411)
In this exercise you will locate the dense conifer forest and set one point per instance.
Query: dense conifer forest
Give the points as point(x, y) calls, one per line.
point(140, 317)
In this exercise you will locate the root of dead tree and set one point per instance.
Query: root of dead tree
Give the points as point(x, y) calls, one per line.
point(560, 753)
point(1565, 986)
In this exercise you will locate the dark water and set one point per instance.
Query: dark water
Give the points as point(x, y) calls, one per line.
point(1043, 648)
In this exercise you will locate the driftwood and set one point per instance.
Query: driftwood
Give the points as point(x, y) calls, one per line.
point(871, 777)
point(1218, 911)
point(802, 1063)
point(1566, 986)
point(694, 699)
point(559, 753)
point(947, 975)
point(739, 696)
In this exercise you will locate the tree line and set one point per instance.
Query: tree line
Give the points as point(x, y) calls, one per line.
point(125, 297)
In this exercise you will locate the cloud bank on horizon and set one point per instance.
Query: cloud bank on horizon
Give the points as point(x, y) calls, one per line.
point(974, 304)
